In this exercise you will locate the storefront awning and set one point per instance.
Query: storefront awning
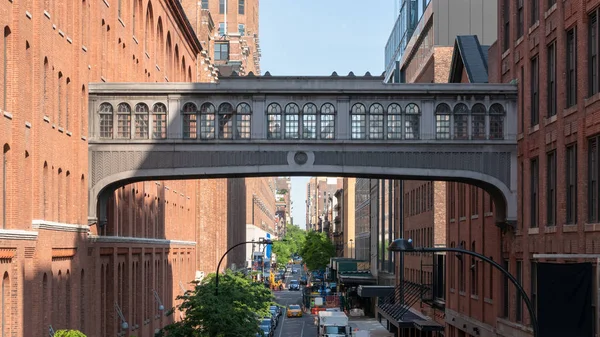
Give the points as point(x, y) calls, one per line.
point(409, 319)
point(374, 291)
point(428, 325)
point(357, 278)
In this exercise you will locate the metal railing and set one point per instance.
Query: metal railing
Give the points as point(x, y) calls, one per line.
point(405, 295)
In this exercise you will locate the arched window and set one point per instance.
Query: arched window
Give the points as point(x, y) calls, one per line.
point(207, 121)
point(497, 114)
point(274, 121)
point(473, 268)
point(123, 121)
point(149, 33)
point(45, 86)
point(376, 121)
point(189, 121)
point(327, 121)
point(226, 121)
point(168, 56)
point(159, 121)
point(442, 121)
point(5, 154)
point(82, 117)
point(394, 121)
point(67, 90)
point(243, 121)
point(309, 121)
point(44, 310)
point(106, 120)
point(292, 117)
point(141, 120)
point(412, 125)
point(45, 181)
point(6, 305)
point(358, 122)
point(182, 68)
point(478, 121)
point(175, 64)
point(84, 21)
point(461, 121)
point(59, 96)
point(160, 59)
point(189, 74)
point(6, 72)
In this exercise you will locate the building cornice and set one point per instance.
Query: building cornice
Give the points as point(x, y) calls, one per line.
point(58, 226)
point(17, 234)
point(132, 240)
point(185, 25)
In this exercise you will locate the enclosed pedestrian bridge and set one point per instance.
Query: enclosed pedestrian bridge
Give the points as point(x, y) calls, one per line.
point(340, 126)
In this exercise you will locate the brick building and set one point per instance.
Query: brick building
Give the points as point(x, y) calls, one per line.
point(320, 193)
point(232, 43)
point(56, 271)
point(260, 203)
point(550, 48)
point(473, 287)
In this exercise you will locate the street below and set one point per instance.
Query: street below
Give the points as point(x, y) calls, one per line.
point(293, 326)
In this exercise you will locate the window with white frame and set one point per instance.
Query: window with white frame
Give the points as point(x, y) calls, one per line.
point(274, 121)
point(243, 119)
point(327, 121)
point(123, 121)
point(292, 116)
point(141, 121)
point(309, 121)
point(105, 113)
point(359, 121)
point(207, 121)
point(394, 121)
point(189, 121)
point(159, 121)
point(226, 121)
point(376, 121)
point(412, 118)
point(442, 121)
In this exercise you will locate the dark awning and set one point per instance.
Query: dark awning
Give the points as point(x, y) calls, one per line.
point(428, 325)
point(355, 279)
point(374, 291)
point(409, 319)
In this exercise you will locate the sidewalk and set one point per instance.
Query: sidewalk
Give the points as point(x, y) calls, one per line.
point(369, 324)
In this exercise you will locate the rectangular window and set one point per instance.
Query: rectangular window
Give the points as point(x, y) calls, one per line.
point(521, 185)
point(535, 91)
point(222, 6)
point(571, 67)
point(551, 188)
point(221, 28)
point(521, 113)
point(534, 11)
point(505, 292)
point(551, 83)
point(519, 299)
point(593, 179)
point(241, 7)
point(506, 17)
point(221, 51)
point(520, 18)
point(242, 29)
point(593, 54)
point(204, 4)
point(571, 179)
point(533, 286)
point(533, 194)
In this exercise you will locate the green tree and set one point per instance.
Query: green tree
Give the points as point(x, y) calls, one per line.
point(68, 333)
point(294, 240)
point(317, 250)
point(234, 312)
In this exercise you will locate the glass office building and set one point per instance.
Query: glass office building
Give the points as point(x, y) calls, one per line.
point(409, 16)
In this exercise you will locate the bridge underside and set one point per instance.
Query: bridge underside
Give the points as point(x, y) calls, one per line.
point(490, 167)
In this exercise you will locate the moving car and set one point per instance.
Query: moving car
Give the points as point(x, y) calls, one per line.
point(294, 310)
point(294, 285)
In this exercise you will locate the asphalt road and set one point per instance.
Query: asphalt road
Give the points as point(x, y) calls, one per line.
point(295, 326)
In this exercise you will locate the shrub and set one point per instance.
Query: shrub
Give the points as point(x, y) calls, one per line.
point(69, 333)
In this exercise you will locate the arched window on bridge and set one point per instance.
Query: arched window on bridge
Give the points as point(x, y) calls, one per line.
point(106, 120)
point(141, 121)
point(123, 121)
point(243, 121)
point(461, 121)
point(376, 121)
point(189, 120)
point(159, 121)
point(292, 116)
point(358, 121)
point(478, 121)
point(394, 121)
point(274, 121)
point(327, 121)
point(442, 121)
point(412, 119)
point(207, 121)
point(226, 121)
point(309, 121)
point(497, 114)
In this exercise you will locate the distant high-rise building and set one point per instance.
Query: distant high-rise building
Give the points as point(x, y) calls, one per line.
point(320, 193)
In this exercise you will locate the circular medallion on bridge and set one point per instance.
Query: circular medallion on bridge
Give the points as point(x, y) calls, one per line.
point(300, 158)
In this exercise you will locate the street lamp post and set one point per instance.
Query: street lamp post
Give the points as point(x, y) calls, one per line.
point(403, 245)
point(266, 242)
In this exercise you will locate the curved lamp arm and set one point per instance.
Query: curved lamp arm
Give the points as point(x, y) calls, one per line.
point(266, 242)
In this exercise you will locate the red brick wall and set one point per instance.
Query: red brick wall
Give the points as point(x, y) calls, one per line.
point(571, 126)
point(44, 129)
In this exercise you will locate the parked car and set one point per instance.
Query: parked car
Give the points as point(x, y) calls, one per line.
point(294, 310)
point(276, 308)
point(266, 332)
point(268, 322)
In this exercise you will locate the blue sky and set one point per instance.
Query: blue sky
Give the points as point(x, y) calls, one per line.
point(318, 37)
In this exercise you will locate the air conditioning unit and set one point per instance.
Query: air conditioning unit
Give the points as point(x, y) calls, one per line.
point(199, 275)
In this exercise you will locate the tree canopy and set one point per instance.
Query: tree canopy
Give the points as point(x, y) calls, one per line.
point(294, 240)
point(68, 333)
point(234, 312)
point(317, 250)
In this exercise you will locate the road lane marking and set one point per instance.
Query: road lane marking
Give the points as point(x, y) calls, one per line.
point(301, 332)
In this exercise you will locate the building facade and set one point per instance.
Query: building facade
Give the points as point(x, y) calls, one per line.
point(550, 49)
point(348, 217)
point(320, 193)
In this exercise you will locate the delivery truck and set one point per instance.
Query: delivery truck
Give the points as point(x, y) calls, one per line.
point(333, 324)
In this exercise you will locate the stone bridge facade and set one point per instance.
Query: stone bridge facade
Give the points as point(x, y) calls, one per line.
point(341, 126)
